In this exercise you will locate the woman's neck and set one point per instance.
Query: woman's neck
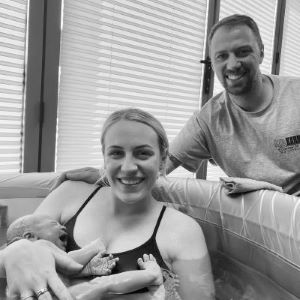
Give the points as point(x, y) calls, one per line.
point(140, 208)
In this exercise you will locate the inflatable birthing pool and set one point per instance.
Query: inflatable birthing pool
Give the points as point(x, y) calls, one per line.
point(253, 238)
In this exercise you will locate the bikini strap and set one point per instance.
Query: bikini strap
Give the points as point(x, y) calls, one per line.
point(87, 200)
point(159, 220)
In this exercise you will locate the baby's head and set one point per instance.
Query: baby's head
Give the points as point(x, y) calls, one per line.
point(35, 227)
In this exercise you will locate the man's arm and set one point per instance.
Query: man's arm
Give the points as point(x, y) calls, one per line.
point(87, 174)
point(171, 164)
point(92, 175)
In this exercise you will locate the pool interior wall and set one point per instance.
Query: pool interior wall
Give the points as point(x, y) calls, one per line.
point(237, 281)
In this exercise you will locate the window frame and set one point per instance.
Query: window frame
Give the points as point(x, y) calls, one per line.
point(33, 84)
point(43, 36)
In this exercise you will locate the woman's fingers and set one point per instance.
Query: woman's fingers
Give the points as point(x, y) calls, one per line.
point(43, 294)
point(58, 289)
point(31, 269)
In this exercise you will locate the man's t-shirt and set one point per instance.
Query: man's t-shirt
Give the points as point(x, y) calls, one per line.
point(262, 145)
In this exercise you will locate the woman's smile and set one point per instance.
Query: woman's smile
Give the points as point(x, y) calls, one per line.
point(131, 181)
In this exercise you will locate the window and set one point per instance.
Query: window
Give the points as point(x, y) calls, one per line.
point(113, 54)
point(290, 53)
point(13, 18)
point(117, 54)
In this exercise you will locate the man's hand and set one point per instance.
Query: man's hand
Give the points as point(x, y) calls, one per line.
point(87, 174)
point(171, 164)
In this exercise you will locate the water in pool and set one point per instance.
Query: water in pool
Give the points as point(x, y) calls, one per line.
point(236, 281)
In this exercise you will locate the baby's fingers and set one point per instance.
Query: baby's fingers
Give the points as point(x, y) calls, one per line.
point(112, 262)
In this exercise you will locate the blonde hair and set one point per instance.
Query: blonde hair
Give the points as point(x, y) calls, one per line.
point(141, 116)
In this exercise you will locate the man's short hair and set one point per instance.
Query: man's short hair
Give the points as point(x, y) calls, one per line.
point(234, 21)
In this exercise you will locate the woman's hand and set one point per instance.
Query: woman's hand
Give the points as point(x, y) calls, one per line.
point(31, 266)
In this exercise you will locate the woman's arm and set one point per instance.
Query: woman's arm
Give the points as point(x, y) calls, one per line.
point(62, 203)
point(190, 260)
point(110, 287)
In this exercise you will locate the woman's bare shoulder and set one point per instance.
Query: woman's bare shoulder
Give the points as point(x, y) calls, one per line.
point(69, 194)
point(183, 235)
point(176, 217)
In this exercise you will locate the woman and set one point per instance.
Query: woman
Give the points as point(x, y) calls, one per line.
point(126, 216)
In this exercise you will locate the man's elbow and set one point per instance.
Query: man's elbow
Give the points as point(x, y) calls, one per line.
point(172, 163)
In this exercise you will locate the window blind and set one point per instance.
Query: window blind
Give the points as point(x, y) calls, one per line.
point(12, 53)
point(290, 51)
point(117, 54)
point(264, 14)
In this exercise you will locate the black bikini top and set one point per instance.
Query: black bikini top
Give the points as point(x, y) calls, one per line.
point(127, 259)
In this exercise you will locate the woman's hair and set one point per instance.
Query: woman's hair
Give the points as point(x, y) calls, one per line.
point(141, 116)
point(235, 21)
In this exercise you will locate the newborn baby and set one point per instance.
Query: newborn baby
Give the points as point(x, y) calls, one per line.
point(94, 259)
point(35, 227)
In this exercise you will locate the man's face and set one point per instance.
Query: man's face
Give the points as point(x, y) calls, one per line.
point(236, 57)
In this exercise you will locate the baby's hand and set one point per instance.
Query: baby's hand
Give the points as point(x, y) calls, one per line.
point(100, 265)
point(148, 263)
point(156, 289)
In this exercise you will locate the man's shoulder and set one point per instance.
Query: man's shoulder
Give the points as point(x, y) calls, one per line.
point(284, 80)
point(215, 101)
point(212, 107)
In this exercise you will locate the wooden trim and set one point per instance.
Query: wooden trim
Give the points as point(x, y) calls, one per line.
point(278, 36)
point(212, 18)
point(50, 86)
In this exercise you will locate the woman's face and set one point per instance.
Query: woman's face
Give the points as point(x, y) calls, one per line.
point(132, 160)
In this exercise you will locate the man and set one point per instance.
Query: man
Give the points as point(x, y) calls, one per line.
point(251, 129)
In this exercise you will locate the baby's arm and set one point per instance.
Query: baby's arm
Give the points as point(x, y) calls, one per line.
point(85, 254)
point(93, 259)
